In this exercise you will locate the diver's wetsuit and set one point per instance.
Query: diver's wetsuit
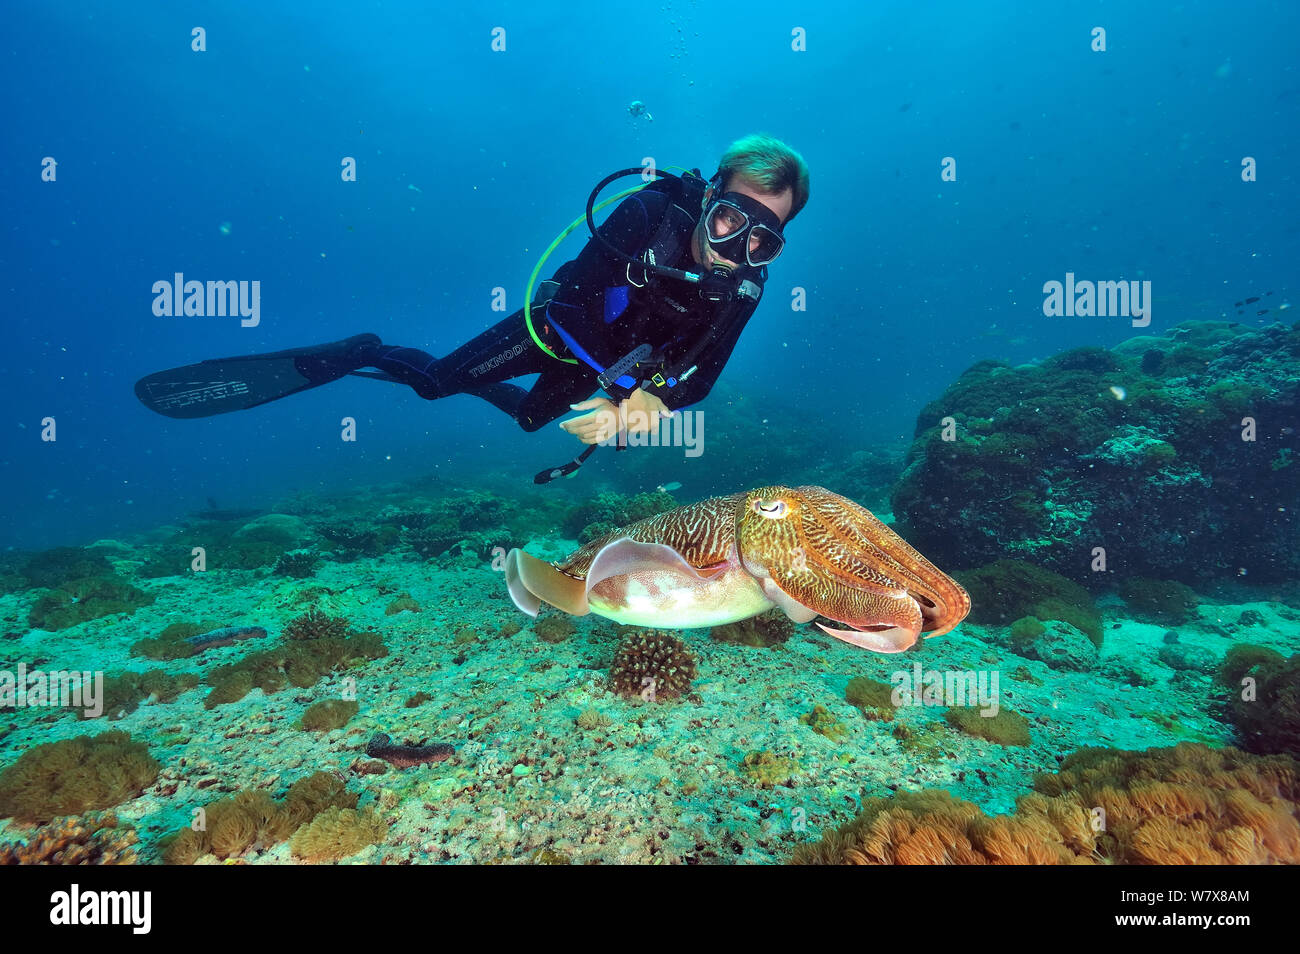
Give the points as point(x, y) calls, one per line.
point(602, 311)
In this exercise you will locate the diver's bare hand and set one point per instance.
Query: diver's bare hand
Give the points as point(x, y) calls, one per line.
point(600, 425)
point(639, 413)
point(642, 412)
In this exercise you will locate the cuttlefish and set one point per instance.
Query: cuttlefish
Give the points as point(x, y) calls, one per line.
point(806, 550)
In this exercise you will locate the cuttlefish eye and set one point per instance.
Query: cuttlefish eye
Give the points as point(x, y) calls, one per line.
point(772, 509)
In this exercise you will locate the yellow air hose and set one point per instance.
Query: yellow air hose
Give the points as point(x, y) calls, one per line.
point(532, 279)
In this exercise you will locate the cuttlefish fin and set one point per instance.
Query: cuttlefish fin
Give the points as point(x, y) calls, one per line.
point(628, 557)
point(532, 581)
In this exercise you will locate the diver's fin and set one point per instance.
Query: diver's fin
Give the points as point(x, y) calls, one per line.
point(219, 385)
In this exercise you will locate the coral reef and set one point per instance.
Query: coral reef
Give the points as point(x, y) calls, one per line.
point(653, 665)
point(315, 624)
point(1185, 805)
point(1162, 601)
point(402, 604)
point(172, 643)
point(351, 542)
point(52, 568)
point(1056, 643)
point(297, 564)
point(766, 769)
point(607, 512)
point(252, 820)
point(1167, 480)
point(469, 523)
point(77, 775)
point(92, 839)
point(590, 719)
point(328, 714)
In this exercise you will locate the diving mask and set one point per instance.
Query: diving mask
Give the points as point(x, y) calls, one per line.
point(743, 230)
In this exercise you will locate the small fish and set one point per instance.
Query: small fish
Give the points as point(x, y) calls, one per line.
point(1263, 312)
point(1251, 301)
point(414, 188)
point(668, 487)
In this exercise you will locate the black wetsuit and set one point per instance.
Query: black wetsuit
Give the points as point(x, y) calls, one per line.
point(600, 310)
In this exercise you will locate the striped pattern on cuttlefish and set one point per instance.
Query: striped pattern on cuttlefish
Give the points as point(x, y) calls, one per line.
point(807, 550)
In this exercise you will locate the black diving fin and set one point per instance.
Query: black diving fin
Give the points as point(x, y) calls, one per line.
point(219, 385)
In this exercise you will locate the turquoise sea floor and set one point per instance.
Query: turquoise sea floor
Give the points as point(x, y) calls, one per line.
point(635, 781)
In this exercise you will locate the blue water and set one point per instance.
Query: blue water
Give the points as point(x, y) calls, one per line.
point(1116, 165)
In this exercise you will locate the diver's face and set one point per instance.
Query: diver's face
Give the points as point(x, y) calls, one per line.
point(780, 204)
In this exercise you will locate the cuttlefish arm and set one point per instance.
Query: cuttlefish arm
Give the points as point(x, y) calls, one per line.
point(827, 554)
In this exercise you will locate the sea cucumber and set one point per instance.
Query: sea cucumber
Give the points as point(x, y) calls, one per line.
point(404, 756)
point(226, 636)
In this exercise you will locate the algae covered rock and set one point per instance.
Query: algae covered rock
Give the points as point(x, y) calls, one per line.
point(328, 714)
point(873, 697)
point(1003, 728)
point(1188, 658)
point(1264, 698)
point(1146, 451)
point(1054, 642)
point(1007, 590)
point(77, 601)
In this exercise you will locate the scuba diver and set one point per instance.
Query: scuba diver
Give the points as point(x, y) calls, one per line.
point(649, 312)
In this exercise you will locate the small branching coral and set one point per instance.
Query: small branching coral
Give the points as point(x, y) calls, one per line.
point(298, 564)
point(653, 665)
point(315, 624)
point(94, 839)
